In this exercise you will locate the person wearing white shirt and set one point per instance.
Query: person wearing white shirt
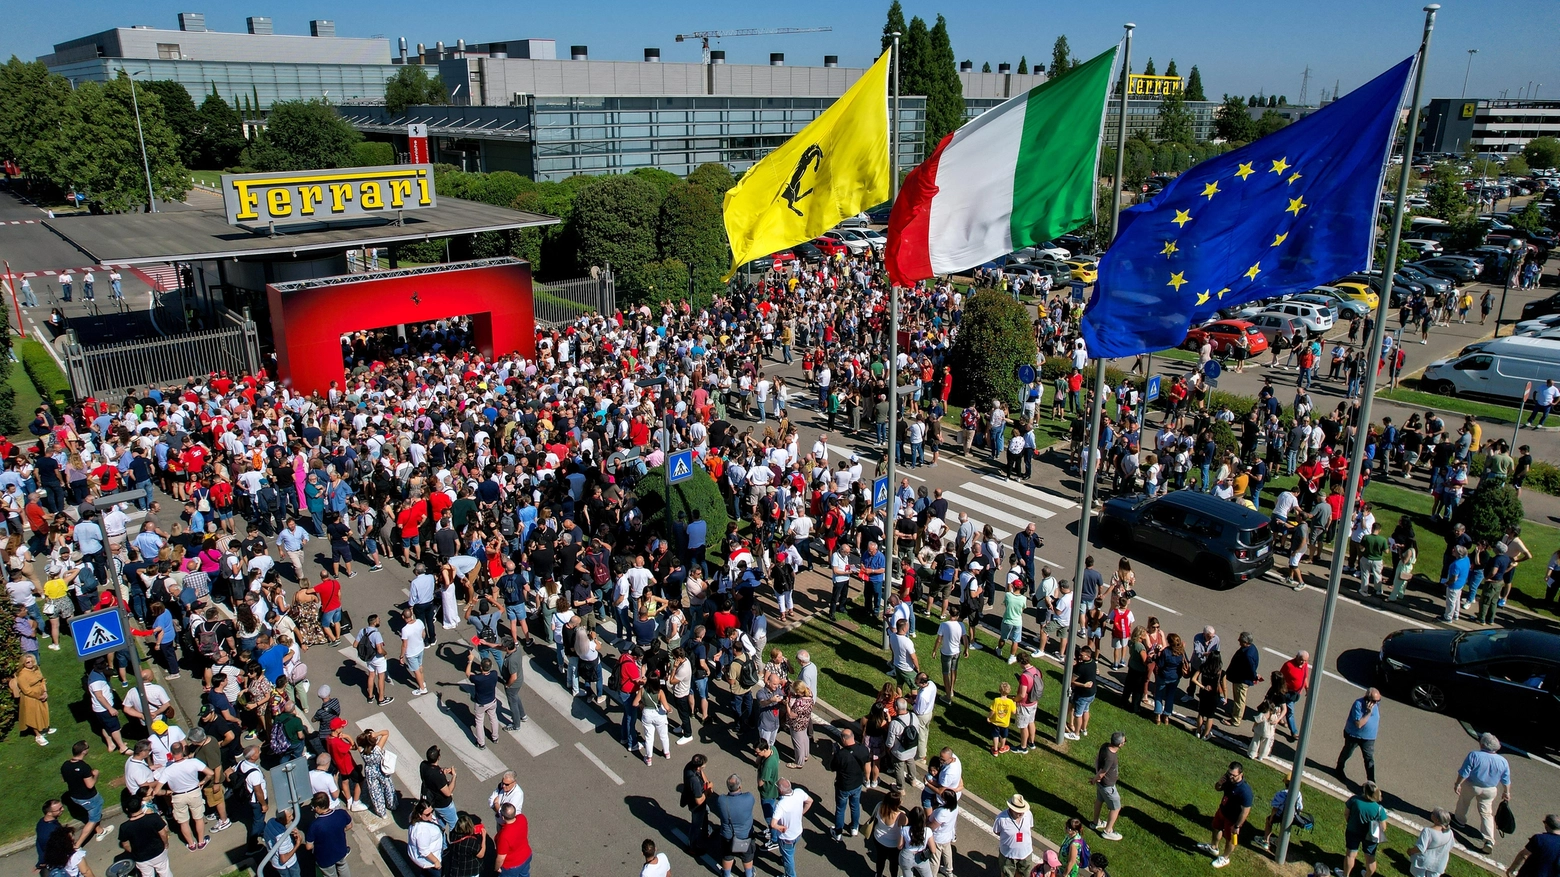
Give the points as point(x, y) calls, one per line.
point(921, 710)
point(162, 740)
point(508, 791)
point(425, 841)
point(790, 814)
point(322, 780)
point(1014, 828)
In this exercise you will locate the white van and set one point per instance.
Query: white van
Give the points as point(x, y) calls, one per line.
point(1501, 368)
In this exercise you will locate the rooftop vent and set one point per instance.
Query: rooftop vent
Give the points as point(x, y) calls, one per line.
point(717, 56)
point(258, 25)
point(320, 27)
point(777, 59)
point(1004, 68)
point(194, 22)
point(652, 55)
point(966, 66)
point(579, 53)
point(831, 60)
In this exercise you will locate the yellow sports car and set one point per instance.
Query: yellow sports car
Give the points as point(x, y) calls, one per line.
point(1359, 292)
point(1080, 269)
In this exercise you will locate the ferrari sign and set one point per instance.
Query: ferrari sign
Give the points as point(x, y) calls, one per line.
point(323, 196)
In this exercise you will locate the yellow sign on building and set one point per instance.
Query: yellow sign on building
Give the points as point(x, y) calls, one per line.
point(322, 196)
point(1140, 85)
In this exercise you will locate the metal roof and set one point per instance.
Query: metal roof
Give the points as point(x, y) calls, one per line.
point(191, 235)
point(440, 124)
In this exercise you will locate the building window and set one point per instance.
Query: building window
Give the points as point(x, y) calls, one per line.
point(168, 51)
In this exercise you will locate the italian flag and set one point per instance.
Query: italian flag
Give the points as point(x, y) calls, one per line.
point(1018, 175)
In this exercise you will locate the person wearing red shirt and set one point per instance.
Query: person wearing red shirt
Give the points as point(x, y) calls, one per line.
point(339, 745)
point(329, 592)
point(409, 522)
point(1294, 677)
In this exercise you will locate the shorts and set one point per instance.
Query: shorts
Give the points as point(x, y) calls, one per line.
point(1025, 716)
point(188, 806)
point(106, 722)
point(1096, 633)
point(1223, 826)
point(378, 664)
point(1011, 632)
point(1357, 841)
point(341, 553)
point(999, 732)
point(1012, 867)
point(1080, 706)
point(331, 618)
point(410, 541)
point(1056, 629)
point(517, 612)
point(950, 664)
point(701, 688)
point(414, 662)
point(1108, 796)
point(747, 857)
point(93, 806)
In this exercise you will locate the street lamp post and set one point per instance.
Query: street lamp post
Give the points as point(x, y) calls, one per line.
point(1471, 53)
point(1511, 251)
point(146, 164)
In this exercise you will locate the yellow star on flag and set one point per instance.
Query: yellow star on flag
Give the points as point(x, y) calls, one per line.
point(1177, 280)
point(1294, 176)
point(1182, 217)
point(1253, 271)
point(1280, 165)
point(1211, 189)
point(1278, 239)
point(1222, 292)
point(1202, 298)
point(1295, 205)
point(1170, 247)
point(1245, 171)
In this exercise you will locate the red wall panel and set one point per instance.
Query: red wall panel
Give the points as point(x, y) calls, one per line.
point(308, 324)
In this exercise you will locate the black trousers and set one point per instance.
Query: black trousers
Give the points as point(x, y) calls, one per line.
point(1367, 750)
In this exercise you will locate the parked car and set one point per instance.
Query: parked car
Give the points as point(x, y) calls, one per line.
point(1436, 284)
point(1500, 368)
point(808, 253)
point(1083, 269)
point(1463, 269)
point(860, 220)
point(1464, 671)
point(879, 215)
point(848, 238)
point(1027, 254)
point(1314, 318)
point(874, 237)
point(1226, 543)
point(1538, 325)
point(1227, 337)
point(1349, 308)
point(1280, 330)
point(1424, 248)
point(1360, 292)
point(1326, 303)
point(830, 246)
point(1072, 243)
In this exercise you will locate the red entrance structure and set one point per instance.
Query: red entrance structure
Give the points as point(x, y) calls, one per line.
point(308, 317)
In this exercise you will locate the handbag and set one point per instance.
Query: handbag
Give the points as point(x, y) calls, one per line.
point(387, 762)
point(741, 845)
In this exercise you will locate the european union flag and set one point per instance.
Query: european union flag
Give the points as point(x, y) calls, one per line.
point(1280, 215)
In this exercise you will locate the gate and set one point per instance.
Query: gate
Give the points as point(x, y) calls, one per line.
point(108, 369)
point(564, 301)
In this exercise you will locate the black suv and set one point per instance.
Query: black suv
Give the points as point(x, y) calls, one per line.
point(1542, 307)
point(1225, 542)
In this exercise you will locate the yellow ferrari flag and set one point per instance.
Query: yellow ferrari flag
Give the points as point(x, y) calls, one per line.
point(835, 167)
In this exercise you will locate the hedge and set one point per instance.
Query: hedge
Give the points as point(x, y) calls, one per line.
point(45, 373)
point(698, 492)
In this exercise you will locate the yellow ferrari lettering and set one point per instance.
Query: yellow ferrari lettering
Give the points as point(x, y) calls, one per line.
point(371, 196)
point(340, 194)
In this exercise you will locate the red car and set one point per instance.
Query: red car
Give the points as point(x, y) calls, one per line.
point(783, 259)
point(1229, 338)
point(830, 246)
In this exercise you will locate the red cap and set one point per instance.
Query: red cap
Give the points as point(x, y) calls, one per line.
point(338, 723)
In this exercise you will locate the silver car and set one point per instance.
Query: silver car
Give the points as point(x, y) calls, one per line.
point(1314, 318)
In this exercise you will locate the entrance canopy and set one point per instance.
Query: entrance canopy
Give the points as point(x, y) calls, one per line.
point(198, 235)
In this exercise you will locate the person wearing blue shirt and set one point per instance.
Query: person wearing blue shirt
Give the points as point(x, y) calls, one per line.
point(1359, 732)
point(696, 535)
point(272, 657)
point(1456, 578)
point(1484, 779)
point(875, 565)
point(162, 622)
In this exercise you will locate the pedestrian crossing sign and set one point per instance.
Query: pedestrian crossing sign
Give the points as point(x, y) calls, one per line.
point(681, 466)
point(1152, 389)
point(880, 493)
point(98, 633)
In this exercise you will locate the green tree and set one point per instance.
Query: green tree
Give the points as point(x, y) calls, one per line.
point(1271, 121)
point(1023, 62)
point(1516, 165)
point(373, 153)
point(32, 102)
point(1484, 169)
point(1540, 152)
point(698, 492)
point(412, 86)
point(221, 138)
point(10, 418)
point(1170, 70)
point(1529, 219)
point(96, 148)
point(945, 97)
point(895, 24)
point(1466, 232)
point(995, 337)
point(1061, 58)
point(1283, 100)
point(1148, 69)
point(501, 188)
point(1445, 192)
point(985, 67)
point(179, 109)
point(302, 135)
point(655, 281)
point(713, 176)
point(1194, 86)
point(664, 181)
point(915, 64)
point(1491, 512)
point(614, 221)
point(1175, 121)
point(1232, 122)
point(1139, 163)
point(691, 230)
point(549, 249)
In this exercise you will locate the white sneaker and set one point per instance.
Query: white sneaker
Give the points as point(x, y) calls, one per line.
point(1221, 861)
point(419, 692)
point(1099, 826)
point(358, 807)
point(1012, 659)
point(683, 741)
point(1037, 653)
point(1110, 835)
point(1068, 735)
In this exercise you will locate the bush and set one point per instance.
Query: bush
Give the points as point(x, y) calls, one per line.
point(10, 662)
point(655, 282)
point(698, 492)
point(45, 373)
point(370, 153)
point(1490, 512)
point(1224, 438)
point(994, 340)
point(430, 251)
point(1544, 477)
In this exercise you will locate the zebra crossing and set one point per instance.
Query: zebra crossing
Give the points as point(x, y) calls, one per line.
point(1007, 506)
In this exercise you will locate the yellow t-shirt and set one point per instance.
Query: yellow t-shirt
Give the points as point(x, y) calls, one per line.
point(1002, 710)
point(54, 589)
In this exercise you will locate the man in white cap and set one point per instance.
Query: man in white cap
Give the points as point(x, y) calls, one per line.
point(1014, 828)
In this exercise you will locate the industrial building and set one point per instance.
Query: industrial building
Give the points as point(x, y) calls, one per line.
point(1486, 126)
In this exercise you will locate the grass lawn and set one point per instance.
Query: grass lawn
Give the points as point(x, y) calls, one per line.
point(1436, 402)
point(210, 179)
point(1167, 775)
point(25, 765)
point(27, 399)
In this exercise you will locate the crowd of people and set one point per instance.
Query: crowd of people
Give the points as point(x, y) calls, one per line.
point(504, 489)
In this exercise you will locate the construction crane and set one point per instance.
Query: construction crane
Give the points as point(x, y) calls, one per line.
point(706, 35)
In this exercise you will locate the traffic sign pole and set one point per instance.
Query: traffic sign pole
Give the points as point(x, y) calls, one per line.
point(134, 650)
point(1527, 393)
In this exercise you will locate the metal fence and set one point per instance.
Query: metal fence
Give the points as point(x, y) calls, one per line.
point(564, 301)
point(107, 369)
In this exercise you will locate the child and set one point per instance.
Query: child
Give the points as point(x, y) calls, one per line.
point(1002, 710)
point(1264, 726)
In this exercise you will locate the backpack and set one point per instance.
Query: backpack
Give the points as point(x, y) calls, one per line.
point(365, 649)
point(1084, 854)
point(909, 737)
point(747, 676)
point(509, 587)
point(206, 642)
point(279, 742)
point(598, 571)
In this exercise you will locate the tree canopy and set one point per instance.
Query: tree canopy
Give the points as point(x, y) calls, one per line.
point(302, 135)
point(1542, 152)
point(995, 337)
point(1148, 69)
point(1271, 121)
point(895, 24)
point(715, 177)
point(182, 116)
point(412, 86)
point(1194, 85)
point(1232, 121)
point(221, 138)
point(614, 222)
point(1061, 58)
point(1023, 63)
point(945, 90)
point(1175, 121)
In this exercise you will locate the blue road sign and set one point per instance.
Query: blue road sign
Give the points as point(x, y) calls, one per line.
point(97, 633)
point(681, 464)
point(1211, 369)
point(1077, 290)
point(1026, 373)
point(1152, 391)
point(880, 493)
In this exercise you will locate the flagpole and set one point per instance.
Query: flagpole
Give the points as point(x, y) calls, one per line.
point(1357, 451)
point(1096, 412)
point(893, 346)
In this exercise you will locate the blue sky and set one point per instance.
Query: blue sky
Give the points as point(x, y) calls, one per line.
point(1239, 46)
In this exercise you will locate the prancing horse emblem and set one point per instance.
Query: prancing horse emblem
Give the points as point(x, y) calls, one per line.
point(793, 193)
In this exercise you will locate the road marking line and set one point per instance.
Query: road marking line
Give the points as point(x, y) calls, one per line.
point(533, 739)
point(599, 763)
point(397, 743)
point(1038, 492)
point(1009, 500)
point(580, 714)
point(1141, 599)
point(483, 763)
point(1328, 673)
point(986, 511)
